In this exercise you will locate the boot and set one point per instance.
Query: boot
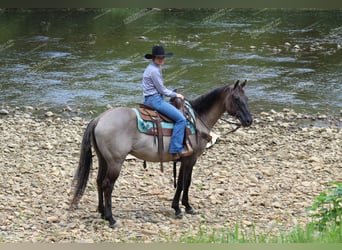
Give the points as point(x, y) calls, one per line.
point(187, 151)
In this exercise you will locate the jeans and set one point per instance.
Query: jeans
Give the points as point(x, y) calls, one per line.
point(157, 102)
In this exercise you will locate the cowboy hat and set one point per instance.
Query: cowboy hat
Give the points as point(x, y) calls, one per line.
point(158, 51)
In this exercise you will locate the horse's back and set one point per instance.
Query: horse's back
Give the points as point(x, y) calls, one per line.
point(115, 129)
point(116, 116)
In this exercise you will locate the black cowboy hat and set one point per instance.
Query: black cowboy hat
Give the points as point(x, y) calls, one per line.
point(158, 51)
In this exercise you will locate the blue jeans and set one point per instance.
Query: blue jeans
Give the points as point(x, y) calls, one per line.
point(157, 102)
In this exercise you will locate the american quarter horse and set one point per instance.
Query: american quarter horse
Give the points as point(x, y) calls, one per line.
point(114, 135)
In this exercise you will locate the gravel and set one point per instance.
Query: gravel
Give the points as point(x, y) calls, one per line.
point(261, 178)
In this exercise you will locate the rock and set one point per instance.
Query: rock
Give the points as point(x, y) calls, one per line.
point(4, 112)
point(270, 119)
point(52, 219)
point(306, 184)
point(315, 159)
point(49, 114)
point(85, 241)
point(29, 108)
point(76, 118)
point(109, 106)
point(322, 117)
point(68, 109)
point(276, 204)
point(247, 223)
point(3, 218)
point(263, 176)
point(267, 171)
point(48, 146)
point(220, 191)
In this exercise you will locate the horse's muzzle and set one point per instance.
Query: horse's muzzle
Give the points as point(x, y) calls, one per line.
point(245, 119)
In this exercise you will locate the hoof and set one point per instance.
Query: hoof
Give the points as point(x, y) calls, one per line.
point(191, 211)
point(179, 214)
point(115, 225)
point(112, 223)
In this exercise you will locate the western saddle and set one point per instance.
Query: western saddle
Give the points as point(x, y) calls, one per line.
point(147, 113)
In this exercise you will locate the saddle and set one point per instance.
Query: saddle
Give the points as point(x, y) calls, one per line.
point(163, 126)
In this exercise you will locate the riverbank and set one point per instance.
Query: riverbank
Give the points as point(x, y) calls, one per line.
point(262, 178)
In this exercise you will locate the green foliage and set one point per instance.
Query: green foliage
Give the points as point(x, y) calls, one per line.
point(327, 210)
point(325, 228)
point(307, 234)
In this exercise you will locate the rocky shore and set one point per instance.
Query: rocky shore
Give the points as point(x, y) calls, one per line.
point(262, 178)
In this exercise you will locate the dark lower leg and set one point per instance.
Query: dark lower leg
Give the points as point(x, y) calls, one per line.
point(185, 198)
point(100, 206)
point(176, 198)
point(108, 204)
point(99, 181)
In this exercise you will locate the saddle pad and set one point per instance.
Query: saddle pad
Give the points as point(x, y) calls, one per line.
point(148, 126)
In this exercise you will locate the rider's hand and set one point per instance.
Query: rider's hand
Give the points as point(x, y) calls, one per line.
point(179, 96)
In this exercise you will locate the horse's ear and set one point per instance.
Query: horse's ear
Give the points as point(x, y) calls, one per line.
point(236, 84)
point(244, 83)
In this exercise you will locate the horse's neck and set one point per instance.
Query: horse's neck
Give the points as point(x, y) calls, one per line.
point(213, 115)
point(211, 106)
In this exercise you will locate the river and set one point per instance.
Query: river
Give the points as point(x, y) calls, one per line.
point(88, 59)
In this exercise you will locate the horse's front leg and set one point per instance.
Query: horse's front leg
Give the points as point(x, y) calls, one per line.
point(175, 201)
point(186, 185)
point(183, 184)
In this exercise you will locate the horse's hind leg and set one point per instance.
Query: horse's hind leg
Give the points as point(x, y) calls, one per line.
point(100, 177)
point(113, 171)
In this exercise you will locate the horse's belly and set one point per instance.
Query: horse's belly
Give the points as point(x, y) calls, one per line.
point(147, 149)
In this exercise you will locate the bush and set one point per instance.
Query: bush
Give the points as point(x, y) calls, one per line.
point(327, 210)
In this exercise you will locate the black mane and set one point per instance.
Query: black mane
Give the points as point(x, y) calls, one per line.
point(203, 103)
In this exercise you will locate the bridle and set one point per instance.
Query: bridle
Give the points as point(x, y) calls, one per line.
point(237, 124)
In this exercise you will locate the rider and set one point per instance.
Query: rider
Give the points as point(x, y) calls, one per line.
point(154, 89)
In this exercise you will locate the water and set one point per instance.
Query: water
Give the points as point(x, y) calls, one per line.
point(88, 59)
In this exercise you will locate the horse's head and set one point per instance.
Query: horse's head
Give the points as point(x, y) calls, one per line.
point(236, 104)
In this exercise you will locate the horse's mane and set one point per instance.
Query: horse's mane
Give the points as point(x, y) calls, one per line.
point(203, 103)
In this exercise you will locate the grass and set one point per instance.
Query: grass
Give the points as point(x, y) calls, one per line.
point(307, 234)
point(326, 225)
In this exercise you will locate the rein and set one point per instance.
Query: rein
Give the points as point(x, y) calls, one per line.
point(202, 134)
point(237, 124)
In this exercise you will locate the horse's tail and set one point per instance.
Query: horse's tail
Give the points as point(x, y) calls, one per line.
point(84, 166)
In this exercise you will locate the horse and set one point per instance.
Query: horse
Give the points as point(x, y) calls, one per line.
point(114, 134)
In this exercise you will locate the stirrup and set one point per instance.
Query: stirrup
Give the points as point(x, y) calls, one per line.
point(188, 147)
point(186, 152)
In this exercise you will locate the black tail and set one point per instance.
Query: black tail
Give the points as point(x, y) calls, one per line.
point(84, 166)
